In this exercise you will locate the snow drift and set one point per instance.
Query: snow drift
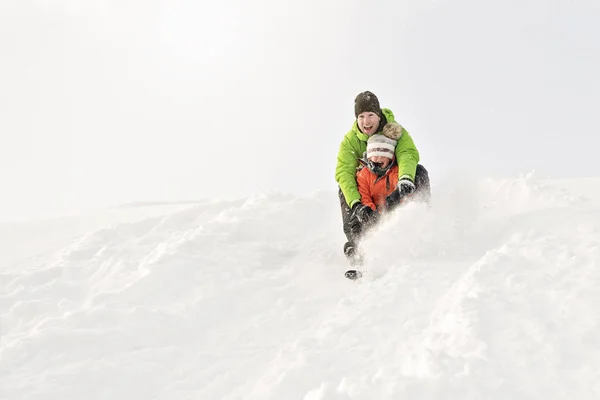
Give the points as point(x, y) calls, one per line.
point(491, 293)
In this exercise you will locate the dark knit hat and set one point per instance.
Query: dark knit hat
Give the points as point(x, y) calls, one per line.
point(366, 101)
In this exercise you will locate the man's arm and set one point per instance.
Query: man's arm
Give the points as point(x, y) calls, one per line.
point(345, 172)
point(407, 156)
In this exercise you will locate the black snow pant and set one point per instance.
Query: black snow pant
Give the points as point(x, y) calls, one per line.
point(354, 230)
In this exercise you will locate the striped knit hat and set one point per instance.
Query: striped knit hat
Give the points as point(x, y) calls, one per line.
point(380, 145)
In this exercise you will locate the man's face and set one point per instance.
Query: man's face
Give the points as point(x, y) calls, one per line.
point(368, 122)
point(380, 161)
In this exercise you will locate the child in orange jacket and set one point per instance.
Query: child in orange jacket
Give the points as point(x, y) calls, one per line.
point(378, 179)
point(380, 188)
point(377, 183)
point(379, 176)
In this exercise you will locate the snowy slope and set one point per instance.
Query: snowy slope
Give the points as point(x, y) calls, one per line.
point(492, 293)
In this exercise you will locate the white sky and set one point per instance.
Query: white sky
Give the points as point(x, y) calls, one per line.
point(118, 101)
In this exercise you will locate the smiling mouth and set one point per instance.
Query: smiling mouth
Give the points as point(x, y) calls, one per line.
point(368, 128)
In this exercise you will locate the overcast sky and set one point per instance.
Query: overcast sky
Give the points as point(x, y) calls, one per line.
point(107, 102)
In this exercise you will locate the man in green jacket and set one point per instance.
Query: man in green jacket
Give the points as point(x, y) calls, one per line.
point(413, 179)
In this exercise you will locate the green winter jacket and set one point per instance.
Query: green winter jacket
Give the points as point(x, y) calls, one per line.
point(354, 146)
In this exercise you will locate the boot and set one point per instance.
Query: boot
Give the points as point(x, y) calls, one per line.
point(352, 254)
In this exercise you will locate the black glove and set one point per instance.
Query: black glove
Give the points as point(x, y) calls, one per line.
point(364, 214)
point(405, 188)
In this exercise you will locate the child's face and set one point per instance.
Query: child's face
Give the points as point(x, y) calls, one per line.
point(368, 122)
point(381, 161)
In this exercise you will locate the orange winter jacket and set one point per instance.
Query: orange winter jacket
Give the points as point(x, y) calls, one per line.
point(374, 190)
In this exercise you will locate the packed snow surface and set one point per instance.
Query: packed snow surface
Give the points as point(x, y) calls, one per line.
point(493, 292)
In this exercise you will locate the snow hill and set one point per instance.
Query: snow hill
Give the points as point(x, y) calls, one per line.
point(492, 293)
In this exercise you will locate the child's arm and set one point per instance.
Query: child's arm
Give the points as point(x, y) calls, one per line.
point(364, 188)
